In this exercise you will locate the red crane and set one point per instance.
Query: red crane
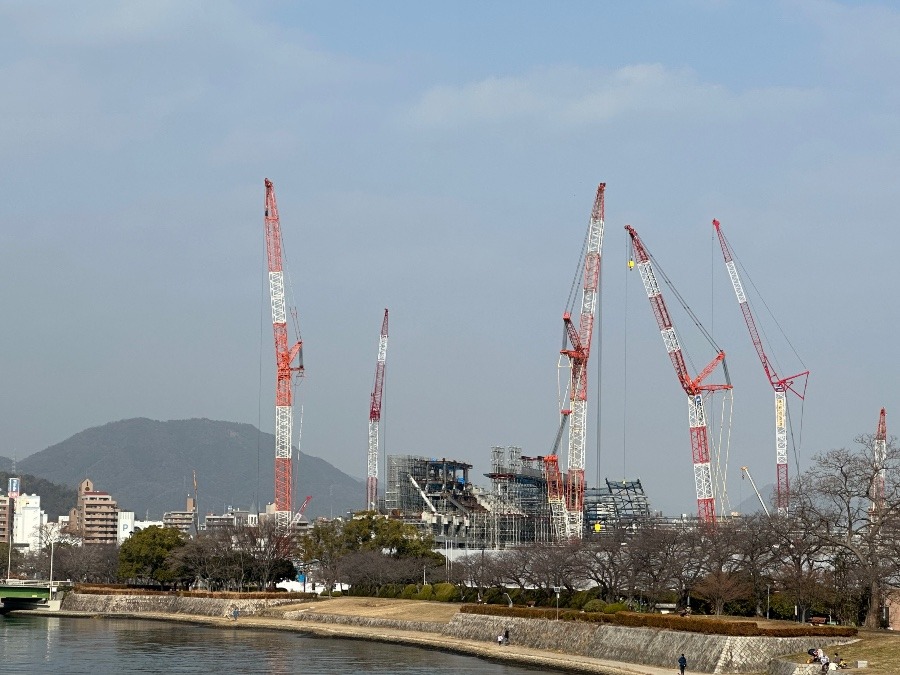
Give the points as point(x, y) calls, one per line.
point(577, 354)
point(781, 385)
point(880, 449)
point(375, 419)
point(284, 359)
point(693, 387)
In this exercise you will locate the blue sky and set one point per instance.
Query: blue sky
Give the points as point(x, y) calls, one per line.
point(441, 160)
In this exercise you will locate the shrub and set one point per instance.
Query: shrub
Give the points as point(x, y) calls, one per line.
point(409, 592)
point(614, 607)
point(445, 592)
point(426, 593)
point(594, 606)
point(708, 626)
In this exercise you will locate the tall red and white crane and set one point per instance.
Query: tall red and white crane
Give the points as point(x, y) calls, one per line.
point(284, 360)
point(693, 387)
point(375, 419)
point(578, 353)
point(880, 448)
point(780, 385)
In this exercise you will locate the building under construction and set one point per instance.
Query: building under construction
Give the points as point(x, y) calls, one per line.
point(619, 503)
point(437, 494)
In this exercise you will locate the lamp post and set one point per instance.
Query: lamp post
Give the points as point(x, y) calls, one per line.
point(557, 589)
point(767, 601)
point(52, 544)
point(12, 517)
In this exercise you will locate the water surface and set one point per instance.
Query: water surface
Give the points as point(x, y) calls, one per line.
point(46, 644)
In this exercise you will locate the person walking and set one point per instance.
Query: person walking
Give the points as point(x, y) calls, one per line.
point(682, 664)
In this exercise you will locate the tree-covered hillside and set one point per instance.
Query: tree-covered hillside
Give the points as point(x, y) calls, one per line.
point(148, 467)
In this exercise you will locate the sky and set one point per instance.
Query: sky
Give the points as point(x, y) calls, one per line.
point(441, 160)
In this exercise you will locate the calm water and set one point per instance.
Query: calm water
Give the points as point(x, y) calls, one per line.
point(69, 645)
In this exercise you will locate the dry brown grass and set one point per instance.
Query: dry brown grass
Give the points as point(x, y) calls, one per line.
point(384, 608)
point(881, 648)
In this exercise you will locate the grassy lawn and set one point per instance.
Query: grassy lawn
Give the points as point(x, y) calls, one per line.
point(881, 648)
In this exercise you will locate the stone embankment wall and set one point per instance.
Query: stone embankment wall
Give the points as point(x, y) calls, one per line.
point(650, 646)
point(782, 667)
point(163, 604)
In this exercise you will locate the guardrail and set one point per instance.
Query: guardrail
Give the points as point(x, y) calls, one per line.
point(34, 583)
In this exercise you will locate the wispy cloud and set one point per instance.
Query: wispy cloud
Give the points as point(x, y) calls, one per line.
point(574, 98)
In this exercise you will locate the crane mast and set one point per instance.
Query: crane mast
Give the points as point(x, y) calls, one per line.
point(779, 385)
point(694, 388)
point(375, 419)
point(284, 359)
point(880, 443)
point(580, 349)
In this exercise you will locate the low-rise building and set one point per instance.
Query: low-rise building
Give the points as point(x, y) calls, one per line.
point(182, 520)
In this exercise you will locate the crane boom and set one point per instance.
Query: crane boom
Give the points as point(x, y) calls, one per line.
point(780, 385)
point(284, 359)
point(746, 471)
point(375, 418)
point(880, 443)
point(580, 339)
point(694, 388)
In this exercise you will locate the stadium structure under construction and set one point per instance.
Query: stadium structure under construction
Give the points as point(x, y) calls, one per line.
point(438, 495)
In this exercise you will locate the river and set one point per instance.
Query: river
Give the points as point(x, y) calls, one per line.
point(46, 644)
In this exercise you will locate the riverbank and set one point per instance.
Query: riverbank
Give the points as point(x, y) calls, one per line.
point(559, 646)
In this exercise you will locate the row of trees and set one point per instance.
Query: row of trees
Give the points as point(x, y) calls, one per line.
point(836, 551)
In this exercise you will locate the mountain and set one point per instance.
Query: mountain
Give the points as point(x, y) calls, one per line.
point(5, 464)
point(148, 467)
point(56, 500)
point(751, 504)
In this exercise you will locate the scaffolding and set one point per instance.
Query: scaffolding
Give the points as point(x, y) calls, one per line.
point(437, 496)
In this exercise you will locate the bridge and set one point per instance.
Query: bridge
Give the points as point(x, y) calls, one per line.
point(29, 594)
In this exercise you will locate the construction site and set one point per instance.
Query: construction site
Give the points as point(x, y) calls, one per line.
point(531, 498)
point(437, 495)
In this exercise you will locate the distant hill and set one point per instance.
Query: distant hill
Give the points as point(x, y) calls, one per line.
point(5, 464)
point(147, 466)
point(751, 504)
point(56, 500)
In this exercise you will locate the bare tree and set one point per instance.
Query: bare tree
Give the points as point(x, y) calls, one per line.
point(835, 502)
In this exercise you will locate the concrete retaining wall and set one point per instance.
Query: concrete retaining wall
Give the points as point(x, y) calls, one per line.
point(649, 646)
point(781, 667)
point(163, 604)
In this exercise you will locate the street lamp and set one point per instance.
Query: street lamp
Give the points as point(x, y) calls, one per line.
point(767, 601)
point(557, 589)
point(52, 544)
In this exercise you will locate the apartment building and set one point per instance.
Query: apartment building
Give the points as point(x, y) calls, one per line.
point(5, 518)
point(96, 515)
